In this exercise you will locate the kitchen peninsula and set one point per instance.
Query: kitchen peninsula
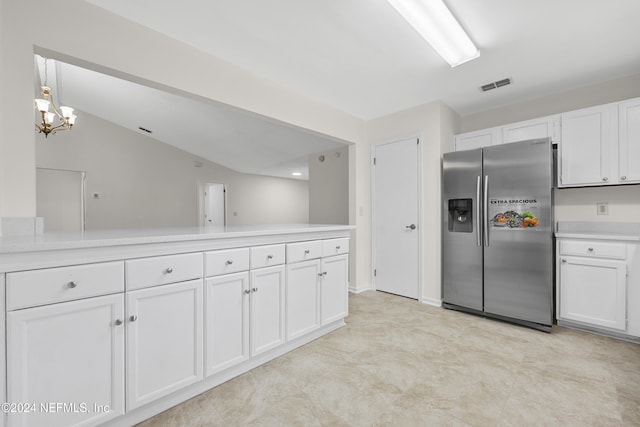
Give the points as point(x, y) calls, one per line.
point(114, 326)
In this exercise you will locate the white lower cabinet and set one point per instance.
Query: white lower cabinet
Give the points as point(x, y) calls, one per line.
point(303, 297)
point(267, 302)
point(593, 292)
point(68, 360)
point(226, 314)
point(164, 340)
point(334, 294)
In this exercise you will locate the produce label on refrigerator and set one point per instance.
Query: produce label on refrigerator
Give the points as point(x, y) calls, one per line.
point(517, 213)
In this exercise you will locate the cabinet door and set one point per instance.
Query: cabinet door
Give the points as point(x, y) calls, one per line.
point(164, 340)
point(542, 127)
point(629, 141)
point(226, 320)
point(593, 291)
point(585, 151)
point(302, 302)
point(267, 308)
point(334, 288)
point(478, 139)
point(68, 357)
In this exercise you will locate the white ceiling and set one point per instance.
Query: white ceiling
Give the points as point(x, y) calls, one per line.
point(361, 57)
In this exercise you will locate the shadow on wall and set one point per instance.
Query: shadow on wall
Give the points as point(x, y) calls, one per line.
point(329, 187)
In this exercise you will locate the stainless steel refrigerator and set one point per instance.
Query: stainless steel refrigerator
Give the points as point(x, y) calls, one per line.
point(497, 236)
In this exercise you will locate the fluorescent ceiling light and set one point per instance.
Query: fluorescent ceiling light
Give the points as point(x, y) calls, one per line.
point(436, 24)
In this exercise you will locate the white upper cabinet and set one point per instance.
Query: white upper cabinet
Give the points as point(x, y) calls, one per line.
point(586, 148)
point(532, 129)
point(478, 139)
point(629, 141)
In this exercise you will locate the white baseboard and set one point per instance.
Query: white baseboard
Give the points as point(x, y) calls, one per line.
point(432, 301)
point(360, 289)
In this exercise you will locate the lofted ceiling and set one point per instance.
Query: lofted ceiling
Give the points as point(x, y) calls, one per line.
point(361, 57)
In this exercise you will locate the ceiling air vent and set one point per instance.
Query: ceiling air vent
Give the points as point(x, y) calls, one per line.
point(496, 84)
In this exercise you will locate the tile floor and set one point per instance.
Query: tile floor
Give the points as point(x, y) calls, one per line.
point(402, 363)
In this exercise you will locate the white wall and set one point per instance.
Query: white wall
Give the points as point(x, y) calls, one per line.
point(574, 204)
point(328, 187)
point(434, 124)
point(88, 36)
point(143, 182)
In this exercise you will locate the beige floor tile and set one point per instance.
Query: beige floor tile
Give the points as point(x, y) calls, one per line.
point(398, 362)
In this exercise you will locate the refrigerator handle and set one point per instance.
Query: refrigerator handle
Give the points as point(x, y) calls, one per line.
point(485, 212)
point(478, 215)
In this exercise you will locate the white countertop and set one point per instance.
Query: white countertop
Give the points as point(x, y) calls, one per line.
point(105, 238)
point(628, 231)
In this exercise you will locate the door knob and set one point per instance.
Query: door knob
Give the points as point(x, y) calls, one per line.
point(412, 226)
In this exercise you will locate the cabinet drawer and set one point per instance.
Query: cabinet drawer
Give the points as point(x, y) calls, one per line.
point(593, 249)
point(335, 246)
point(265, 256)
point(227, 261)
point(146, 272)
point(52, 285)
point(303, 251)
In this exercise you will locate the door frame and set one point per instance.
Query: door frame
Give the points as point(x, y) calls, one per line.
point(202, 185)
point(420, 266)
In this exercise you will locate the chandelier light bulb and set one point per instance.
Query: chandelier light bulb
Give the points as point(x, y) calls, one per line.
point(67, 112)
point(42, 105)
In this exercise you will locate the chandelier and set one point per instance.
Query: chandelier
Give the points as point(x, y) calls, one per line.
point(61, 118)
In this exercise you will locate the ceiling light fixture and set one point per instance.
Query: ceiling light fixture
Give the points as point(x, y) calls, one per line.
point(52, 121)
point(437, 25)
point(296, 173)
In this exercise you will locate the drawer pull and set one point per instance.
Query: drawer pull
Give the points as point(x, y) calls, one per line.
point(168, 270)
point(590, 249)
point(133, 318)
point(564, 260)
point(72, 285)
point(229, 261)
point(269, 256)
point(118, 322)
point(306, 251)
point(623, 178)
point(338, 247)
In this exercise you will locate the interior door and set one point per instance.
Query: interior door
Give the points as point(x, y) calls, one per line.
point(396, 217)
point(60, 199)
point(214, 204)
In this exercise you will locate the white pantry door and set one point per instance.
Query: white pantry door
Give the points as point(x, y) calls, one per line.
point(396, 202)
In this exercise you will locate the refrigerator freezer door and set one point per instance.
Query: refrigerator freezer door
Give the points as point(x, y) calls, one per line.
point(461, 240)
point(518, 253)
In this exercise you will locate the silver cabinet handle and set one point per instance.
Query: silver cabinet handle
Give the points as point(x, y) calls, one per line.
point(412, 226)
point(133, 318)
point(254, 289)
point(605, 179)
point(168, 270)
point(324, 273)
point(247, 291)
point(229, 261)
point(319, 274)
point(564, 260)
point(623, 178)
point(118, 322)
point(306, 251)
point(338, 247)
point(269, 256)
point(72, 284)
point(590, 249)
